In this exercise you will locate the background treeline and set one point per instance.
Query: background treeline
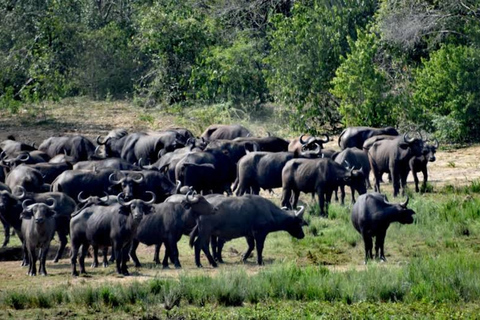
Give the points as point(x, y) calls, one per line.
point(323, 63)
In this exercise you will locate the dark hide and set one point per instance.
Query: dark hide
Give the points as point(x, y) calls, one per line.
point(371, 217)
point(227, 132)
point(355, 136)
point(320, 177)
point(247, 216)
point(78, 147)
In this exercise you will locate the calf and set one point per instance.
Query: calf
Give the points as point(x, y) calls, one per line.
point(419, 164)
point(371, 217)
point(105, 226)
point(38, 227)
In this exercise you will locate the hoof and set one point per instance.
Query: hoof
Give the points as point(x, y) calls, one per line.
point(55, 260)
point(75, 274)
point(166, 267)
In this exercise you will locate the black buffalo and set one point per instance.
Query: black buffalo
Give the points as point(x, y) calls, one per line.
point(311, 143)
point(419, 164)
point(270, 143)
point(371, 217)
point(227, 132)
point(317, 176)
point(357, 159)
point(393, 156)
point(29, 178)
point(105, 226)
point(355, 136)
point(38, 227)
point(78, 147)
point(166, 225)
point(249, 216)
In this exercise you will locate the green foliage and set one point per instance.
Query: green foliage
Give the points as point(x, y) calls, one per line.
point(306, 50)
point(362, 87)
point(446, 88)
point(232, 73)
point(171, 35)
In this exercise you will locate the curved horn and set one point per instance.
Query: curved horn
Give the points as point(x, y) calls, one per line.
point(269, 134)
point(404, 204)
point(151, 201)
point(435, 143)
point(139, 179)
point(26, 203)
point(112, 179)
point(99, 142)
point(327, 138)
point(81, 199)
point(179, 185)
point(18, 189)
point(348, 164)
point(54, 203)
point(407, 138)
point(105, 198)
point(194, 200)
point(33, 146)
point(121, 201)
point(23, 157)
point(301, 140)
point(299, 213)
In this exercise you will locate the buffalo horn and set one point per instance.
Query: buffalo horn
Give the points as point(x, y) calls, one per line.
point(112, 179)
point(101, 143)
point(299, 213)
point(3, 155)
point(435, 143)
point(23, 157)
point(19, 192)
point(347, 163)
point(54, 203)
point(80, 198)
point(301, 140)
point(105, 198)
point(194, 200)
point(404, 204)
point(151, 201)
point(121, 201)
point(179, 185)
point(26, 203)
point(139, 179)
point(327, 138)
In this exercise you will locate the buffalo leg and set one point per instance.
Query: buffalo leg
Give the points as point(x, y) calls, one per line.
point(95, 257)
point(6, 228)
point(286, 195)
point(296, 195)
point(43, 259)
point(118, 257)
point(156, 254)
point(33, 262)
point(124, 258)
point(379, 243)
point(26, 255)
point(172, 244)
point(133, 253)
point(425, 179)
point(220, 244)
point(251, 246)
point(367, 240)
point(73, 259)
point(352, 190)
point(81, 260)
point(260, 241)
point(415, 179)
point(105, 255)
point(321, 203)
point(62, 237)
point(166, 256)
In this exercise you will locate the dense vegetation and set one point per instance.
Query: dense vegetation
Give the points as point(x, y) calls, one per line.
point(412, 64)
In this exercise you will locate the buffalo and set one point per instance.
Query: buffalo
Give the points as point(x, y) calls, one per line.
point(393, 156)
point(320, 177)
point(78, 147)
point(38, 227)
point(249, 216)
point(105, 226)
point(226, 132)
point(419, 164)
point(355, 136)
point(371, 216)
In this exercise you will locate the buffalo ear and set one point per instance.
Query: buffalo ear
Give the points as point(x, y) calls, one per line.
point(125, 210)
point(186, 205)
point(27, 215)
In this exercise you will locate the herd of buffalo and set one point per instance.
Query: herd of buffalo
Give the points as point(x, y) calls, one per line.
point(154, 187)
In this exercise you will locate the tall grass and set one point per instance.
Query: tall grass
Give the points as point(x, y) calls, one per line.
point(446, 279)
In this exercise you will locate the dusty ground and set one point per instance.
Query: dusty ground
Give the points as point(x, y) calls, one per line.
point(456, 167)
